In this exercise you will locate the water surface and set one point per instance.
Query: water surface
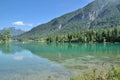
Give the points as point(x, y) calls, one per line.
point(42, 61)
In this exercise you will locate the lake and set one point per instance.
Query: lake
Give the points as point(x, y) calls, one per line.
point(54, 61)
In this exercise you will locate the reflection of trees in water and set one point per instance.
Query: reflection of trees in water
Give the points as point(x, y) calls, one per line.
point(62, 51)
point(9, 48)
point(5, 48)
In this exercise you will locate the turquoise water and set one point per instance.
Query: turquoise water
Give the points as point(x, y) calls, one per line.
point(42, 61)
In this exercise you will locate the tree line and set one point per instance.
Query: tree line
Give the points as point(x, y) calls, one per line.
point(5, 36)
point(103, 35)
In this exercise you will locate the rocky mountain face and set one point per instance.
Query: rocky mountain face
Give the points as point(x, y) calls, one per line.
point(99, 14)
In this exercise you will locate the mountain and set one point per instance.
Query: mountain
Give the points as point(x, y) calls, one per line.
point(14, 31)
point(99, 14)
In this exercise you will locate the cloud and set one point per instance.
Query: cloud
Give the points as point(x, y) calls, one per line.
point(21, 23)
point(18, 23)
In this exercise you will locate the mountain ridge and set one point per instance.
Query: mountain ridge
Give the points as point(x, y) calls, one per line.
point(99, 14)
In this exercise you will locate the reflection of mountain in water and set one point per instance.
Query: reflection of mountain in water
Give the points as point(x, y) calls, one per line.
point(18, 63)
point(57, 52)
point(72, 56)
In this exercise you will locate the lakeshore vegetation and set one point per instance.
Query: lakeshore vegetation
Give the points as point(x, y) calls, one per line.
point(104, 35)
point(5, 36)
point(100, 74)
point(91, 35)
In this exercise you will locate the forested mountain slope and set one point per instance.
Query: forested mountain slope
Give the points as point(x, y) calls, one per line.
point(99, 14)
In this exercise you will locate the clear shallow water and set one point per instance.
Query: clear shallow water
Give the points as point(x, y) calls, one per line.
point(42, 61)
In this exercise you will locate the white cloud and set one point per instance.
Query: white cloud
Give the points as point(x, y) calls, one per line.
point(21, 23)
point(18, 23)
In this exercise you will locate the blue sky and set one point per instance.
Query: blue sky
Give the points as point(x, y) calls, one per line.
point(26, 14)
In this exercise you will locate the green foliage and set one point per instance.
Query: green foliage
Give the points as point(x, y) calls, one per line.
point(6, 36)
point(112, 74)
point(107, 35)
